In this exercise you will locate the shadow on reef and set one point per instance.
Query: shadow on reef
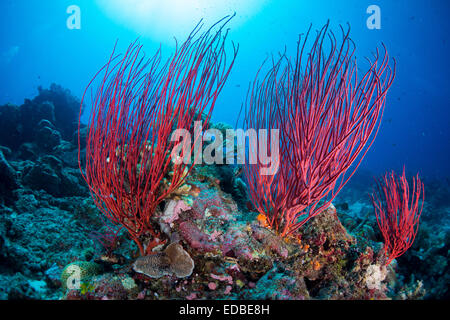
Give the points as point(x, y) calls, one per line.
point(212, 245)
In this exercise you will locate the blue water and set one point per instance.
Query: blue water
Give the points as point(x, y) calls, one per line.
point(37, 49)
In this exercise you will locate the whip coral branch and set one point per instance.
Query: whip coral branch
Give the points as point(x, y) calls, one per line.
point(328, 118)
point(398, 213)
point(137, 105)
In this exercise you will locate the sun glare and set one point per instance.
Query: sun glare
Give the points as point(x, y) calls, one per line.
point(163, 19)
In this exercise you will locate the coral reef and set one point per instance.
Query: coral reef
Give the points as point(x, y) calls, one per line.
point(234, 257)
point(212, 244)
point(422, 272)
point(45, 210)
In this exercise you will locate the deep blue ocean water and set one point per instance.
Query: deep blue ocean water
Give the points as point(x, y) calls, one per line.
point(37, 48)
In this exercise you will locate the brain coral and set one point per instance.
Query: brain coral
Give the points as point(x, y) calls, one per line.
point(79, 272)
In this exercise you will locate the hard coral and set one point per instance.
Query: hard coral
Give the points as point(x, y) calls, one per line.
point(80, 271)
point(173, 260)
point(181, 264)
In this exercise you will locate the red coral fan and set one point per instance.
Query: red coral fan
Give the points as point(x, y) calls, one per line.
point(398, 212)
point(327, 118)
point(137, 106)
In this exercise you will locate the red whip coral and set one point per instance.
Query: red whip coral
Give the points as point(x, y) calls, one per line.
point(327, 118)
point(134, 112)
point(398, 212)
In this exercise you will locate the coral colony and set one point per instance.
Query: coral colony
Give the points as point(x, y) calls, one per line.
point(184, 208)
point(141, 167)
point(128, 167)
point(326, 120)
point(397, 213)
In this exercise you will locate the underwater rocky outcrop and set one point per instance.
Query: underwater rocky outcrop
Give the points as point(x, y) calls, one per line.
point(45, 211)
point(212, 244)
